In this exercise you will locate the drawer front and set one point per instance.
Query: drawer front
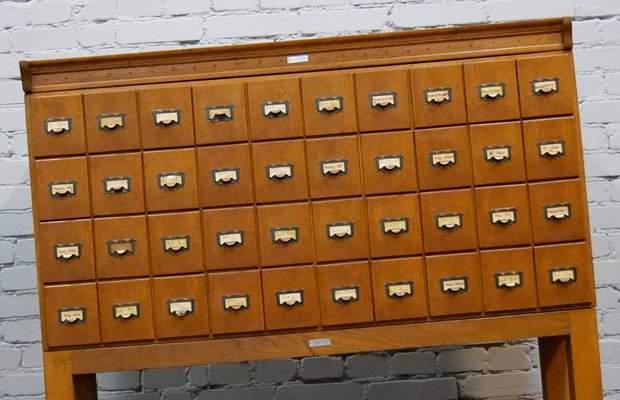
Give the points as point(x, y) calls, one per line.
point(275, 108)
point(280, 171)
point(345, 294)
point(225, 175)
point(449, 221)
point(438, 95)
point(62, 190)
point(395, 225)
point(117, 184)
point(399, 289)
point(497, 153)
point(220, 115)
point(181, 308)
point(340, 231)
point(176, 243)
point(236, 302)
point(291, 299)
point(503, 216)
point(551, 148)
point(230, 238)
point(492, 93)
point(329, 103)
point(546, 85)
point(508, 279)
point(166, 117)
point(170, 180)
point(383, 100)
point(388, 161)
point(444, 159)
point(564, 275)
point(121, 247)
point(333, 167)
point(66, 251)
point(111, 121)
point(71, 315)
point(126, 311)
point(558, 211)
point(57, 125)
point(285, 234)
point(454, 284)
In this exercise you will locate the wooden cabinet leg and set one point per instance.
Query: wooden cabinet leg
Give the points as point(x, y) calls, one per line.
point(554, 367)
point(584, 355)
point(61, 384)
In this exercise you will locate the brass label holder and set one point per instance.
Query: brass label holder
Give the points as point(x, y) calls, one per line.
point(176, 244)
point(551, 148)
point(503, 216)
point(121, 247)
point(275, 109)
point(290, 298)
point(491, 91)
point(110, 122)
point(168, 117)
point(346, 294)
point(126, 311)
point(67, 251)
point(329, 105)
point(230, 238)
point(563, 275)
point(388, 163)
point(284, 235)
point(394, 226)
point(545, 86)
point(557, 212)
point(449, 221)
point(497, 153)
point(220, 113)
point(509, 280)
point(171, 180)
point(382, 100)
point(443, 158)
point(181, 307)
point(62, 189)
point(117, 184)
point(236, 302)
point(334, 167)
point(437, 96)
point(340, 230)
point(72, 315)
point(57, 126)
point(399, 290)
point(458, 284)
point(225, 176)
point(279, 172)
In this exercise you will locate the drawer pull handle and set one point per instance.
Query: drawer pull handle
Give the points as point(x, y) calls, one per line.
point(72, 316)
point(450, 221)
point(497, 153)
point(558, 212)
point(503, 216)
point(563, 275)
point(171, 180)
point(394, 226)
point(443, 158)
point(492, 91)
point(441, 95)
point(280, 171)
point(382, 100)
point(220, 113)
point(290, 298)
point(346, 294)
point(230, 238)
point(166, 118)
point(67, 251)
point(175, 244)
point(545, 86)
point(63, 189)
point(275, 109)
point(551, 148)
point(389, 163)
point(181, 307)
point(57, 126)
point(508, 280)
point(329, 105)
point(236, 302)
point(117, 184)
point(285, 235)
point(340, 230)
point(121, 247)
point(334, 167)
point(225, 176)
point(126, 311)
point(399, 290)
point(109, 122)
point(454, 284)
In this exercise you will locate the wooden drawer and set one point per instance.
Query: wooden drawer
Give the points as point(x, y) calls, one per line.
point(219, 109)
point(508, 279)
point(546, 85)
point(230, 238)
point(395, 225)
point(388, 161)
point(71, 315)
point(66, 251)
point(340, 231)
point(399, 289)
point(448, 220)
point(444, 159)
point(564, 275)
point(166, 117)
point(383, 100)
point(225, 175)
point(181, 306)
point(454, 284)
point(62, 189)
point(280, 171)
point(492, 93)
point(285, 234)
point(121, 247)
point(111, 121)
point(117, 184)
point(333, 167)
point(291, 299)
point(558, 211)
point(497, 153)
point(57, 125)
point(170, 180)
point(345, 294)
point(236, 302)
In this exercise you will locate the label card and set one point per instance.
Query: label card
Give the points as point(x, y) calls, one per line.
point(497, 153)
point(279, 171)
point(220, 113)
point(334, 167)
point(71, 316)
point(399, 289)
point(181, 307)
point(503, 216)
point(108, 122)
point(63, 188)
point(275, 109)
point(395, 226)
point(290, 298)
point(542, 87)
point(557, 211)
point(230, 238)
point(285, 234)
point(340, 230)
point(551, 148)
point(166, 117)
point(236, 302)
point(126, 311)
point(382, 100)
point(171, 180)
point(67, 251)
point(117, 184)
point(346, 294)
point(174, 244)
point(453, 284)
point(491, 91)
point(389, 163)
point(563, 275)
point(329, 105)
point(55, 126)
point(225, 176)
point(449, 221)
point(443, 158)
point(438, 95)
point(509, 279)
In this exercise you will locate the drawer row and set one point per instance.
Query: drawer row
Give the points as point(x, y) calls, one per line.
point(440, 94)
point(292, 170)
point(329, 295)
point(300, 233)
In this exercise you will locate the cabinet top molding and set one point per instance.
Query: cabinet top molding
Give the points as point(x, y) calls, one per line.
point(391, 48)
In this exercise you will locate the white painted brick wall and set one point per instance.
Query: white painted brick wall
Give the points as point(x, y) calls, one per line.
point(42, 29)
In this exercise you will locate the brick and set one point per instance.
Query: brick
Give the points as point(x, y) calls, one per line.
point(126, 380)
point(463, 12)
point(18, 278)
point(611, 324)
point(9, 67)
point(594, 138)
point(280, 3)
point(197, 375)
point(323, 391)
point(180, 7)
point(50, 12)
point(176, 30)
point(228, 374)
point(22, 331)
point(586, 31)
point(15, 198)
point(590, 85)
point(19, 306)
point(602, 164)
point(249, 393)
point(601, 112)
point(277, 371)
point(24, 384)
point(32, 356)
point(12, 119)
point(176, 395)
point(133, 8)
point(507, 10)
point(11, 93)
point(223, 5)
point(431, 389)
point(9, 359)
point(607, 272)
point(610, 352)
point(19, 145)
point(483, 386)
point(607, 298)
point(16, 225)
point(614, 190)
point(598, 190)
point(25, 250)
point(423, 363)
point(370, 19)
point(5, 44)
point(5, 146)
point(462, 360)
point(509, 358)
point(256, 25)
point(610, 30)
point(98, 10)
point(600, 245)
point(610, 378)
point(6, 253)
point(322, 368)
point(595, 8)
point(598, 57)
point(612, 83)
point(44, 39)
point(131, 396)
point(368, 365)
point(13, 14)
point(312, 3)
point(96, 35)
point(163, 378)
